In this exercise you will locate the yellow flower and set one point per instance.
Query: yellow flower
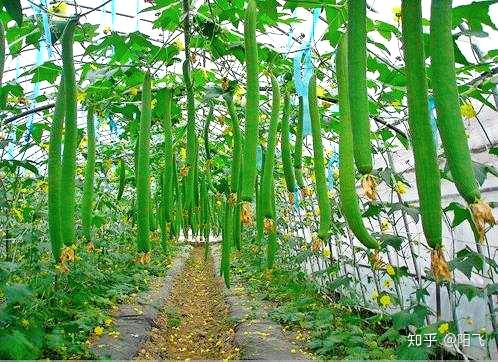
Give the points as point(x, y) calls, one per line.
point(467, 110)
point(326, 252)
point(25, 323)
point(385, 225)
point(397, 13)
point(108, 322)
point(59, 8)
point(106, 29)
point(133, 91)
point(385, 300)
point(375, 295)
point(396, 104)
point(320, 92)
point(443, 328)
point(388, 283)
point(98, 331)
point(400, 187)
point(183, 153)
point(239, 94)
point(390, 270)
point(335, 172)
point(81, 96)
point(153, 104)
point(179, 44)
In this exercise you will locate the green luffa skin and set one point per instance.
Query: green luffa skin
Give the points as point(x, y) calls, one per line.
point(319, 163)
point(122, 179)
point(143, 191)
point(267, 182)
point(2, 51)
point(424, 146)
point(167, 194)
point(357, 61)
point(68, 170)
point(54, 174)
point(298, 147)
point(290, 180)
point(347, 188)
point(87, 200)
point(252, 103)
point(449, 118)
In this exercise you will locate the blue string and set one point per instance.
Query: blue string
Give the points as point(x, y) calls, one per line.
point(46, 30)
point(36, 89)
point(112, 125)
point(296, 199)
point(137, 26)
point(333, 161)
point(303, 73)
point(113, 15)
point(435, 133)
point(259, 158)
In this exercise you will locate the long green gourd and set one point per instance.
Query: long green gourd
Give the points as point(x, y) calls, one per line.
point(237, 143)
point(252, 106)
point(298, 147)
point(450, 123)
point(272, 245)
point(267, 182)
point(424, 146)
point(357, 60)
point(68, 170)
point(226, 244)
point(143, 192)
point(167, 191)
point(87, 199)
point(191, 135)
point(319, 163)
point(54, 174)
point(2, 51)
point(347, 188)
point(236, 174)
point(290, 180)
point(122, 178)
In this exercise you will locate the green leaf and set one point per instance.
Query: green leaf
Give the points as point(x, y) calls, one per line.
point(468, 290)
point(14, 9)
point(17, 346)
point(47, 71)
point(466, 260)
point(17, 294)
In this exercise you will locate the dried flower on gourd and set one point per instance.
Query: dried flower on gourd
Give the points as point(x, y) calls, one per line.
point(232, 198)
point(143, 258)
point(246, 213)
point(269, 225)
point(184, 171)
point(68, 254)
point(482, 215)
point(376, 261)
point(369, 186)
point(439, 266)
point(316, 243)
point(291, 197)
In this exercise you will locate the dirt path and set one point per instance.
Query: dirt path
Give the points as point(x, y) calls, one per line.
point(194, 324)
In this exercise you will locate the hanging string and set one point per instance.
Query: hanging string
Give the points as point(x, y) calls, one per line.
point(432, 110)
point(259, 158)
point(36, 89)
point(303, 71)
point(333, 162)
point(46, 29)
point(113, 15)
point(137, 26)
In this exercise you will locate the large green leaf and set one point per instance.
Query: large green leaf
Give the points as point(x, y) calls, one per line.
point(14, 9)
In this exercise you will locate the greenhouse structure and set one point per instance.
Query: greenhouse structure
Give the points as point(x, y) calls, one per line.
point(249, 179)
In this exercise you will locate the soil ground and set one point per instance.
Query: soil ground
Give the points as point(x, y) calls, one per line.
point(195, 322)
